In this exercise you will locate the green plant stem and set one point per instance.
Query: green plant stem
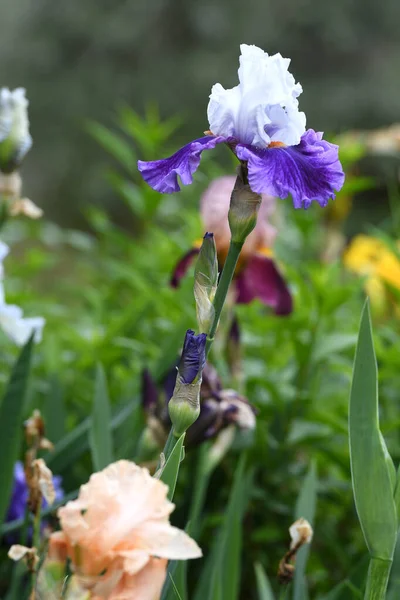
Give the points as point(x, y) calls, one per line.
point(219, 300)
point(36, 542)
point(284, 592)
point(377, 579)
point(223, 287)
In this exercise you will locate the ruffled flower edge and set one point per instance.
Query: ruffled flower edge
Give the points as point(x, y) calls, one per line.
point(309, 171)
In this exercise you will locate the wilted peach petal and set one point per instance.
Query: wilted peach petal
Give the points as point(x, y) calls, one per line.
point(26, 207)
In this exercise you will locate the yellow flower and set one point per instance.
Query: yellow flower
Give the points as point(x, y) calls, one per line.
point(372, 258)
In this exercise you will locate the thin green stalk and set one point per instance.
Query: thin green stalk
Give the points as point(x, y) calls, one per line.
point(220, 296)
point(377, 579)
point(36, 542)
point(223, 287)
point(284, 592)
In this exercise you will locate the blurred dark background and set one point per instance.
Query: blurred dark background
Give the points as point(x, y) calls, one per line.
point(81, 59)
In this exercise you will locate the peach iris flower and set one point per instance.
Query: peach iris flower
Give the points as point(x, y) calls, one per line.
point(118, 536)
point(257, 275)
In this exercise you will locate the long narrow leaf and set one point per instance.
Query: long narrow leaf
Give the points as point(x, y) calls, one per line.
point(170, 471)
point(263, 585)
point(176, 592)
point(100, 432)
point(305, 507)
point(232, 547)
point(371, 465)
point(11, 413)
point(221, 574)
point(54, 410)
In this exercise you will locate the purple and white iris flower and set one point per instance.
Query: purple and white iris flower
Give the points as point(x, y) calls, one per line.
point(260, 121)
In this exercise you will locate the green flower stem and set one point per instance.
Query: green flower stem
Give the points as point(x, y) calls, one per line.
point(220, 296)
point(223, 287)
point(377, 579)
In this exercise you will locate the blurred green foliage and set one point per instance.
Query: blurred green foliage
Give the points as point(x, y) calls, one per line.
point(107, 300)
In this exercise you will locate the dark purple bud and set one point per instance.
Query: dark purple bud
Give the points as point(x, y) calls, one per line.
point(182, 266)
point(193, 356)
point(149, 392)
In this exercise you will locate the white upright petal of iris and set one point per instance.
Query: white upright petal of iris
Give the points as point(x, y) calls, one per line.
point(17, 327)
point(14, 122)
point(263, 108)
point(5, 113)
point(4, 250)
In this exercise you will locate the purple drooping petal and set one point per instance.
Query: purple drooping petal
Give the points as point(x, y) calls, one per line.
point(162, 175)
point(309, 171)
point(261, 279)
point(182, 266)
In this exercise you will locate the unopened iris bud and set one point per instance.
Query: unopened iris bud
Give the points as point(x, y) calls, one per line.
point(193, 357)
point(15, 140)
point(205, 282)
point(243, 208)
point(184, 406)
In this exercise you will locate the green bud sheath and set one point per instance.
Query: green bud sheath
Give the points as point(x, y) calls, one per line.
point(184, 406)
point(243, 209)
point(205, 283)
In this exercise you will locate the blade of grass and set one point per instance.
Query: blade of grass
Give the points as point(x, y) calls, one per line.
point(305, 507)
point(11, 414)
point(100, 436)
point(263, 585)
point(371, 466)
